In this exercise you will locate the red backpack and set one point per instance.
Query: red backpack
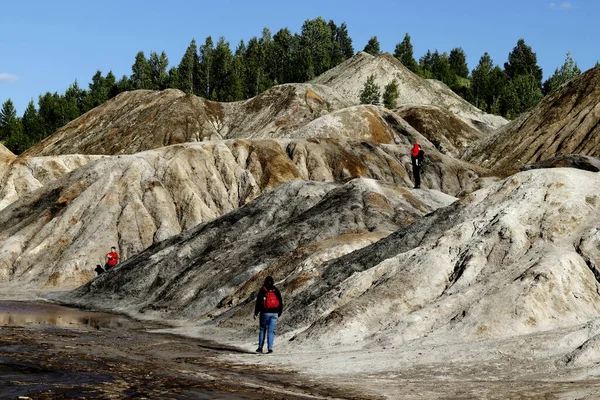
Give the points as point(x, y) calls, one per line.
point(271, 300)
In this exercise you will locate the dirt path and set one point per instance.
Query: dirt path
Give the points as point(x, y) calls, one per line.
point(49, 352)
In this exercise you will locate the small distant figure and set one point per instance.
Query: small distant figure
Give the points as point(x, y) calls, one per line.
point(112, 259)
point(269, 304)
point(99, 269)
point(416, 158)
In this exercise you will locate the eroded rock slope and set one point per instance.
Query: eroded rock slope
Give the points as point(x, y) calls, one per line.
point(349, 78)
point(565, 122)
point(518, 257)
point(55, 235)
point(141, 120)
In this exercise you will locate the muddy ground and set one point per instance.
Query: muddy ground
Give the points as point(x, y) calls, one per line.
point(51, 352)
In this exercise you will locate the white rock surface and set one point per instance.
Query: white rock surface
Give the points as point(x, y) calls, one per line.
point(349, 79)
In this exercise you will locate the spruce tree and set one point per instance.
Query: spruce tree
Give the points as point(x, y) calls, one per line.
point(206, 59)
point(158, 69)
point(404, 53)
point(458, 62)
point(373, 47)
point(567, 71)
point(371, 92)
point(390, 94)
point(141, 78)
point(523, 61)
point(316, 40)
point(8, 119)
point(188, 69)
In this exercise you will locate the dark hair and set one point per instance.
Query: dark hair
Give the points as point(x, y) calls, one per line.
point(269, 282)
point(113, 248)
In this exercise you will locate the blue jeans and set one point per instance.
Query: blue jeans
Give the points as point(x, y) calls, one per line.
point(267, 324)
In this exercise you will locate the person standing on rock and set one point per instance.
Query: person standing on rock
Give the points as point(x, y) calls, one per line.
point(112, 259)
point(416, 157)
point(269, 304)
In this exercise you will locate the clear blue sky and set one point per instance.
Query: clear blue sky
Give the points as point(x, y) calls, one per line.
point(46, 45)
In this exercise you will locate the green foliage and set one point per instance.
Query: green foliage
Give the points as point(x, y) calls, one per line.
point(458, 62)
point(373, 47)
point(390, 94)
point(567, 71)
point(205, 68)
point(404, 53)
point(141, 78)
point(521, 94)
point(371, 92)
point(317, 40)
point(188, 69)
point(8, 119)
point(523, 61)
point(158, 68)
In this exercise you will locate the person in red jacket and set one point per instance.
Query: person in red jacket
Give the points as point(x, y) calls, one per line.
point(112, 259)
point(417, 156)
point(269, 304)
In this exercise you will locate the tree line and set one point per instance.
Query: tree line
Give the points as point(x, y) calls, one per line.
point(213, 71)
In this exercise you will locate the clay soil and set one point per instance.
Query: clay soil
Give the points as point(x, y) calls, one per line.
point(50, 352)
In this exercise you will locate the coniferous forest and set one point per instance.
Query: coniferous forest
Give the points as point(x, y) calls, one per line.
point(214, 71)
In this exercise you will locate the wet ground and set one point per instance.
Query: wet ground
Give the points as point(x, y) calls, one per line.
point(53, 352)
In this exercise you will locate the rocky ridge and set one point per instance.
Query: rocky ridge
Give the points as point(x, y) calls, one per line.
point(349, 78)
point(565, 122)
point(55, 235)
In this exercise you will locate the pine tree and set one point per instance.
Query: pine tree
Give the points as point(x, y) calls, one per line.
point(32, 125)
point(282, 62)
point(141, 78)
point(371, 92)
point(342, 38)
point(480, 81)
point(8, 119)
point(188, 69)
point(316, 41)
point(567, 71)
point(404, 53)
point(523, 61)
point(158, 69)
point(372, 47)
point(426, 65)
point(390, 94)
point(458, 62)
point(224, 77)
point(206, 59)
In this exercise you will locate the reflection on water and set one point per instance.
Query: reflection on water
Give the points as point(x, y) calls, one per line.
point(32, 314)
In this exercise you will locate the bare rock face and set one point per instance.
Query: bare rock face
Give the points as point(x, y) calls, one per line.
point(288, 231)
point(349, 78)
point(518, 257)
point(565, 122)
point(55, 235)
point(567, 161)
point(364, 122)
point(21, 175)
point(4, 152)
point(142, 120)
point(445, 130)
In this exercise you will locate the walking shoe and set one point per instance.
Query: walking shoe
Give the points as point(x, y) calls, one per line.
point(270, 351)
point(259, 350)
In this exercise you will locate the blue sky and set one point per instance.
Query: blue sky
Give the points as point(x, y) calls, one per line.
point(46, 45)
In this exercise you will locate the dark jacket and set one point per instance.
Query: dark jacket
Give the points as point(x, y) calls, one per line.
point(418, 160)
point(260, 302)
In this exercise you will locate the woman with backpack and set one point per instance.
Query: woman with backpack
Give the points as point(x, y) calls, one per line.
point(269, 305)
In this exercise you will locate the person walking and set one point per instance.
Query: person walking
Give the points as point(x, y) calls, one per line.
point(269, 305)
point(416, 157)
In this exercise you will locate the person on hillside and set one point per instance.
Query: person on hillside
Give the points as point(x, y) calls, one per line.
point(269, 304)
point(416, 157)
point(112, 259)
